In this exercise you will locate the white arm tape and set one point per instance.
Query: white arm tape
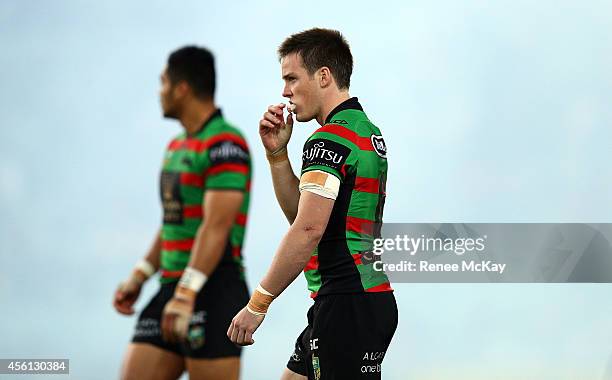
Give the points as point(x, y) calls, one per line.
point(320, 183)
point(145, 267)
point(192, 279)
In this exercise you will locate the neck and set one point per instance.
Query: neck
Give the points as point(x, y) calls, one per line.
point(331, 102)
point(195, 114)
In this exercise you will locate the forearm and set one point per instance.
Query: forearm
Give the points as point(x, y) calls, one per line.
point(154, 253)
point(286, 188)
point(208, 247)
point(291, 257)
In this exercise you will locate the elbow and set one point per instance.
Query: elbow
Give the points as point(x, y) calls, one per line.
point(313, 233)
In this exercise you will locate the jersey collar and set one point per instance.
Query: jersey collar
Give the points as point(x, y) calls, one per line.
point(205, 124)
point(349, 104)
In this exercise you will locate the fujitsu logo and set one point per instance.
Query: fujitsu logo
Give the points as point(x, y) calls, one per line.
point(318, 151)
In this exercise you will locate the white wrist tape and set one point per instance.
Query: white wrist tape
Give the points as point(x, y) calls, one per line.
point(260, 289)
point(145, 267)
point(320, 183)
point(192, 279)
point(253, 311)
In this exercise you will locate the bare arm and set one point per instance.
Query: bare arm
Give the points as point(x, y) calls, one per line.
point(290, 259)
point(154, 253)
point(275, 134)
point(220, 210)
point(128, 291)
point(286, 188)
point(296, 247)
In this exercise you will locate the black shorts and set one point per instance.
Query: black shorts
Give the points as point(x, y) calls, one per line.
point(346, 338)
point(221, 298)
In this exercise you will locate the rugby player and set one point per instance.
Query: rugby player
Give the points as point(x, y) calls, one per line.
point(335, 210)
point(205, 181)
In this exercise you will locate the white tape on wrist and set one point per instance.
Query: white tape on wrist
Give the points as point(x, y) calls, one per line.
point(253, 311)
point(260, 289)
point(192, 279)
point(145, 267)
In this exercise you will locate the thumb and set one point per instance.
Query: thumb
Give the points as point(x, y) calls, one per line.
point(289, 121)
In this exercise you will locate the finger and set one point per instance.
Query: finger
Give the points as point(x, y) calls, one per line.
point(119, 294)
point(123, 308)
point(248, 338)
point(229, 330)
point(272, 118)
point(240, 338)
point(276, 109)
point(235, 332)
point(181, 325)
point(266, 124)
point(289, 119)
point(166, 326)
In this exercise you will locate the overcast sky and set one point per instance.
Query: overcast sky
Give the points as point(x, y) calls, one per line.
point(492, 112)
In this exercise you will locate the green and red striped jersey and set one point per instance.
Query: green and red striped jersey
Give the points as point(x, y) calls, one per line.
point(216, 157)
point(351, 148)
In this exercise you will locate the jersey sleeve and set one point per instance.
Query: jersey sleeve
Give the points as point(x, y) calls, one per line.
point(329, 153)
point(229, 164)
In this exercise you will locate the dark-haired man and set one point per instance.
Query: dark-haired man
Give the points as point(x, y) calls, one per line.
point(204, 188)
point(335, 210)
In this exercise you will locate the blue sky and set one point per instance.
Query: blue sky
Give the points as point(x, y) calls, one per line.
point(492, 112)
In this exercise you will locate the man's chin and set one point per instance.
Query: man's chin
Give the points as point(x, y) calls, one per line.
point(301, 118)
point(169, 115)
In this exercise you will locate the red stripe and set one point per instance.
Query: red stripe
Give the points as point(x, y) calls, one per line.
point(193, 211)
point(357, 258)
point(189, 144)
point(362, 226)
point(386, 287)
point(192, 179)
point(313, 263)
point(199, 145)
point(238, 168)
point(241, 219)
point(236, 251)
point(313, 294)
point(363, 143)
point(367, 185)
point(171, 274)
point(177, 245)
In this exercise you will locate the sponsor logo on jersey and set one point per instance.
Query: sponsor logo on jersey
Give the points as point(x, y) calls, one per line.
point(339, 121)
point(227, 151)
point(324, 152)
point(379, 145)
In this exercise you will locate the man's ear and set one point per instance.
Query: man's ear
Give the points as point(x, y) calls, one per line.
point(181, 89)
point(325, 77)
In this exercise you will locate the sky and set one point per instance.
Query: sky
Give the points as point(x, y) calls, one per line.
point(491, 111)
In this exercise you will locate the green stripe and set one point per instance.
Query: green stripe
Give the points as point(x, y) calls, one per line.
point(174, 260)
point(370, 277)
point(363, 205)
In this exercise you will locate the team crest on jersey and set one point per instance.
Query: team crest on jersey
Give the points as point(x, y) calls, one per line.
point(379, 145)
point(324, 152)
point(316, 367)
